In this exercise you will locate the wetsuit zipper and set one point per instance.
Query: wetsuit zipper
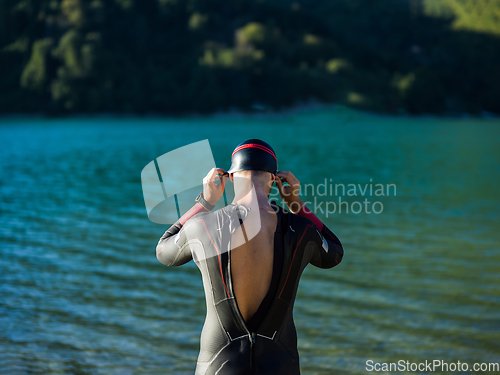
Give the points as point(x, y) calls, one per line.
point(252, 342)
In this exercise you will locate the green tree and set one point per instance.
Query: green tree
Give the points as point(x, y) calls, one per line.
point(35, 74)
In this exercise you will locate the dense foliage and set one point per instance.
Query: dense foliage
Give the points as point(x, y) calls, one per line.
point(175, 56)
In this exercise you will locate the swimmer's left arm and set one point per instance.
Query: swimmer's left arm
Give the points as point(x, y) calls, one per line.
point(172, 249)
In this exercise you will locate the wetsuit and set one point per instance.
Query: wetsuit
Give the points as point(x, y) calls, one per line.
point(267, 344)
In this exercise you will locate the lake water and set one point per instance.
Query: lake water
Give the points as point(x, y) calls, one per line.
point(81, 291)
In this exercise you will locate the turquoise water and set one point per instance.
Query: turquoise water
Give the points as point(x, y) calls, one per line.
point(81, 291)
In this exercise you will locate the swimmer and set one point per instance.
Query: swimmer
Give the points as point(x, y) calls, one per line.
point(251, 255)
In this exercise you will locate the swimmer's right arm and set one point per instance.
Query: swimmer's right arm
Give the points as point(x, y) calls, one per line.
point(329, 251)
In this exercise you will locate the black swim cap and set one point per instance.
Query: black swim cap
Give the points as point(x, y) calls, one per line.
point(254, 155)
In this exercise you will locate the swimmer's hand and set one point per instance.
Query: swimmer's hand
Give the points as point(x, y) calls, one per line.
point(212, 190)
point(289, 193)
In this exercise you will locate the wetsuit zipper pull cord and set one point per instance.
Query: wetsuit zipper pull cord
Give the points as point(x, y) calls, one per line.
point(252, 342)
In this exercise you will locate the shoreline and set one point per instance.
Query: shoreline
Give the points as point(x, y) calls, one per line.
point(263, 113)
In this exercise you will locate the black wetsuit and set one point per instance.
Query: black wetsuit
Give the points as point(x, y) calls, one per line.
point(267, 344)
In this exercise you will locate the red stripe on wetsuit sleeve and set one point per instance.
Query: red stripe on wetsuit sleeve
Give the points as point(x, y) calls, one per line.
point(192, 211)
point(306, 212)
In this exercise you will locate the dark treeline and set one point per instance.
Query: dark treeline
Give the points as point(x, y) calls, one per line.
point(174, 56)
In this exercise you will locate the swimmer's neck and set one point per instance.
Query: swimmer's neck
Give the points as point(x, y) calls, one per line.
point(258, 196)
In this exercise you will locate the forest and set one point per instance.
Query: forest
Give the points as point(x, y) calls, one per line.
point(59, 57)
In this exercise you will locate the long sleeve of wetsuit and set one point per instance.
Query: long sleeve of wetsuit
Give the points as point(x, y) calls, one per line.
point(329, 251)
point(173, 248)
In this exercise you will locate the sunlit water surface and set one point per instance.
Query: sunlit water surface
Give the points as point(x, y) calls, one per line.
point(81, 291)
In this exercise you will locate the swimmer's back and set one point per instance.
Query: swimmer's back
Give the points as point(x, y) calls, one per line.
point(252, 265)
